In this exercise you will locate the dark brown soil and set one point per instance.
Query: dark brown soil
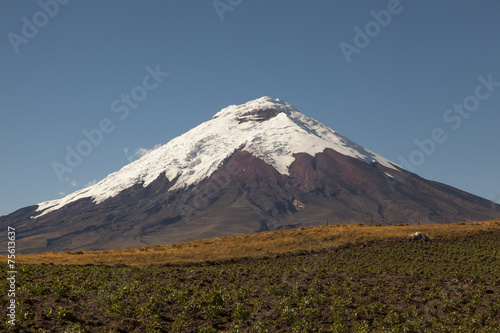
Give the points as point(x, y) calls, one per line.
point(383, 285)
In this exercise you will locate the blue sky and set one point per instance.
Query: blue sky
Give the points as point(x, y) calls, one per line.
point(63, 67)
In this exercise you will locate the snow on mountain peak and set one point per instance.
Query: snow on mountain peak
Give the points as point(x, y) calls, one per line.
point(268, 128)
point(262, 103)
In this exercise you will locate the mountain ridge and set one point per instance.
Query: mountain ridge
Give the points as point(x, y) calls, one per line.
point(253, 167)
point(213, 138)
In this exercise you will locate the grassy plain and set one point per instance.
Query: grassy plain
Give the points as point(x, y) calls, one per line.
point(257, 245)
point(318, 279)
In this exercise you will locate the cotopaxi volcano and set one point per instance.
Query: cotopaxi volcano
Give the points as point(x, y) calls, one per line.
point(257, 166)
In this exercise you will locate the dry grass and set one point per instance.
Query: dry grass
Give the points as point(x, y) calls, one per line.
point(257, 245)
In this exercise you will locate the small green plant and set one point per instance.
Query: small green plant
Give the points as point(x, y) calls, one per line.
point(208, 329)
point(239, 312)
point(60, 313)
point(289, 315)
point(77, 328)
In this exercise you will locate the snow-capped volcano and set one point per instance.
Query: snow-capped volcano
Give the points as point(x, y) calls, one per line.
point(252, 167)
point(267, 128)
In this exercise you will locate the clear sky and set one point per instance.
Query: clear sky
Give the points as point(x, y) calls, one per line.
point(67, 67)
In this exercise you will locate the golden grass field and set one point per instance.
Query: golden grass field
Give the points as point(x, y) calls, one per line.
point(257, 245)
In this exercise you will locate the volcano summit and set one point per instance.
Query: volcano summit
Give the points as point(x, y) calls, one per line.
point(252, 167)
